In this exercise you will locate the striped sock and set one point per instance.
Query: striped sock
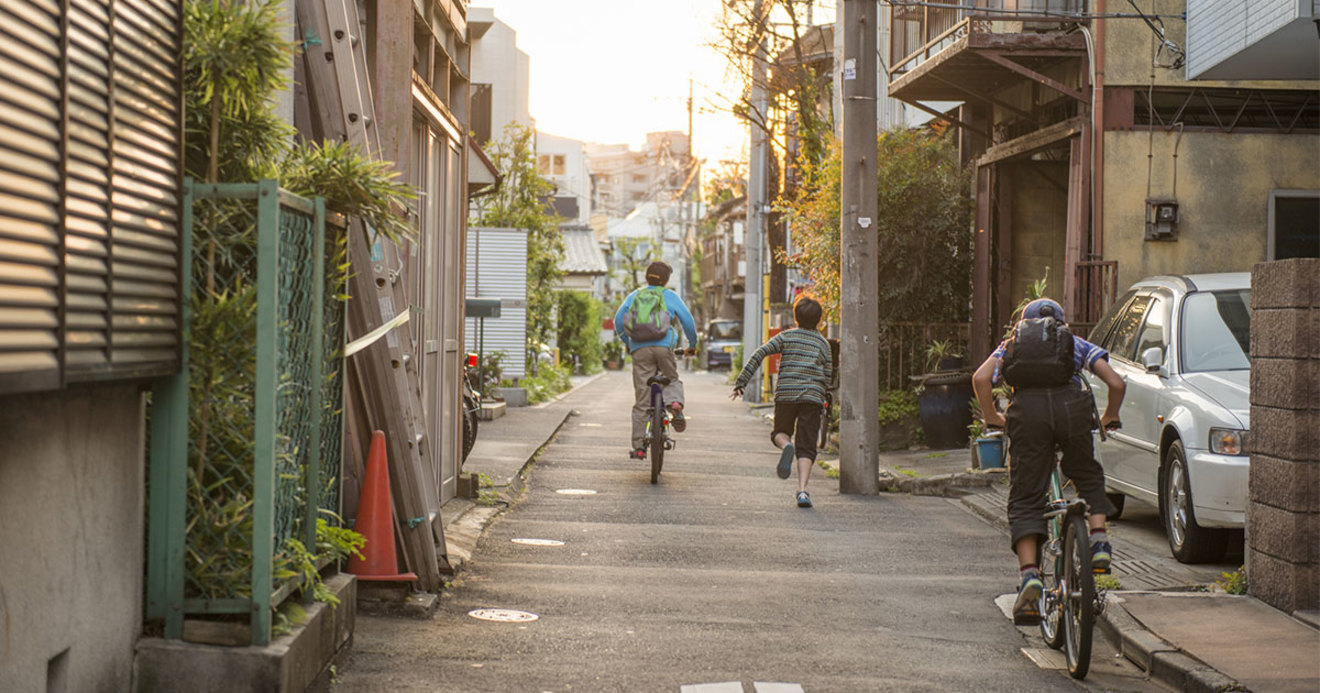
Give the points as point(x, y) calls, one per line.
point(1099, 535)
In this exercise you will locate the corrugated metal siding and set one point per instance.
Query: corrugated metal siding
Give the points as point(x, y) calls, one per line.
point(30, 207)
point(89, 171)
point(502, 273)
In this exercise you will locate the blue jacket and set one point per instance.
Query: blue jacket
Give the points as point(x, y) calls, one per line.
point(678, 313)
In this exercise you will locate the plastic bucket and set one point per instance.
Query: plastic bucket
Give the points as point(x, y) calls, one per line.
point(989, 452)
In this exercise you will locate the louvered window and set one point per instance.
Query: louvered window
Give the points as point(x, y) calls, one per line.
point(89, 179)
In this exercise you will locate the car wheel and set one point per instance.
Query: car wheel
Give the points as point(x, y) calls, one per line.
point(1118, 500)
point(1190, 542)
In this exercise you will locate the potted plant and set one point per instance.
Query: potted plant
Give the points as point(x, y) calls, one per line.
point(943, 393)
point(987, 447)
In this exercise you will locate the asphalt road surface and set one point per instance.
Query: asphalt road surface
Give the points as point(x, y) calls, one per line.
point(713, 580)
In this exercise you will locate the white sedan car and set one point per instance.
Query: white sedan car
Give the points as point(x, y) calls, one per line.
point(1183, 346)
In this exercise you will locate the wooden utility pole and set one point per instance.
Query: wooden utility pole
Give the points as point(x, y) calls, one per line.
point(756, 202)
point(859, 389)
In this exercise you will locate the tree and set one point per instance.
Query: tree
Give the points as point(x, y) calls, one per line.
point(923, 226)
point(520, 203)
point(635, 254)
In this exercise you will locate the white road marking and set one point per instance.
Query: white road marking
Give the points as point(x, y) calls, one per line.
point(772, 687)
point(725, 687)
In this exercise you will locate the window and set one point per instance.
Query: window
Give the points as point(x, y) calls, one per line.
point(1120, 342)
point(1101, 329)
point(1216, 331)
point(558, 165)
point(543, 164)
point(638, 178)
point(1152, 335)
point(1294, 224)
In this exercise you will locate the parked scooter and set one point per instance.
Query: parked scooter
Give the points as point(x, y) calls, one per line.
point(471, 406)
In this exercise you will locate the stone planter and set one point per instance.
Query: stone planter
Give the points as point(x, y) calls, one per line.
point(512, 396)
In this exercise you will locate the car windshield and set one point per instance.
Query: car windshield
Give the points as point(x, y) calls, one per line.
point(1217, 331)
point(725, 331)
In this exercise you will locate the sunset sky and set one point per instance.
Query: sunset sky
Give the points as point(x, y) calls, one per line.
point(610, 71)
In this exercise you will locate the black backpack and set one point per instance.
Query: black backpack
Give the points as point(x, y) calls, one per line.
point(1039, 354)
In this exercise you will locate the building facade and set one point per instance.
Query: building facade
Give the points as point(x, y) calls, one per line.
point(1098, 161)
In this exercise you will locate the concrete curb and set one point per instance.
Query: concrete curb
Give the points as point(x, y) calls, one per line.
point(1161, 660)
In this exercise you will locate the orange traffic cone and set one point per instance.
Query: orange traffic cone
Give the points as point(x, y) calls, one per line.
point(375, 521)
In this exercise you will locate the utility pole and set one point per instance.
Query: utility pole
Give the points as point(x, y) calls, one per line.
point(756, 202)
point(859, 389)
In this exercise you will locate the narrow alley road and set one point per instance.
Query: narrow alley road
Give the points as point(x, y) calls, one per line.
point(711, 576)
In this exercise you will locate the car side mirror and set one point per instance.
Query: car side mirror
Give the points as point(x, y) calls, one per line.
point(1152, 359)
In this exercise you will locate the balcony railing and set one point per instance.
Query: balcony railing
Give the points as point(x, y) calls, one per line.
point(919, 32)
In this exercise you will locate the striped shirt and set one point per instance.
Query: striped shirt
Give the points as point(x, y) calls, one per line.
point(804, 366)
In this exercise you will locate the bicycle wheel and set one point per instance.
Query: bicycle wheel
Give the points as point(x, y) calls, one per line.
point(1050, 563)
point(657, 439)
point(1079, 595)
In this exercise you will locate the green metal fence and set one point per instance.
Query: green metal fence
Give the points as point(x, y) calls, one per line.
point(246, 439)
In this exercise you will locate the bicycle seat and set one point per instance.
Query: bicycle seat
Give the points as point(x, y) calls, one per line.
point(658, 379)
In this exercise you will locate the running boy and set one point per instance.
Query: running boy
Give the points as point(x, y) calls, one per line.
point(804, 374)
point(1051, 410)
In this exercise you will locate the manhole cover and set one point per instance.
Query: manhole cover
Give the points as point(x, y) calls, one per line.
point(576, 492)
point(538, 542)
point(503, 615)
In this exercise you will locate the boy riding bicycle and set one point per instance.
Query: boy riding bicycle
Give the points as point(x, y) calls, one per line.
point(644, 324)
point(1048, 410)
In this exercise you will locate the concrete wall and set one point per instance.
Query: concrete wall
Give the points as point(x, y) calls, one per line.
point(1040, 221)
point(1224, 184)
point(1283, 514)
point(72, 518)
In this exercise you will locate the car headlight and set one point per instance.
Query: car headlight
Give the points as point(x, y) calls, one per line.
point(1228, 441)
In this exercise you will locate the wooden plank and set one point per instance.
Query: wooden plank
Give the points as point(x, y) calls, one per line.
point(948, 118)
point(1034, 141)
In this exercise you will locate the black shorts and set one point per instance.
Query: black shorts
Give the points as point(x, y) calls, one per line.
point(802, 417)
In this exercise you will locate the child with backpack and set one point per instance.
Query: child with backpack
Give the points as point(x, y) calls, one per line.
point(805, 373)
point(1048, 409)
point(644, 323)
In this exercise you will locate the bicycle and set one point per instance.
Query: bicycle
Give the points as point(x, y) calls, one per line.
point(657, 438)
point(1069, 602)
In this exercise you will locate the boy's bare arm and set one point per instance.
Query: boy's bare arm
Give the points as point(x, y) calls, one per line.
point(1117, 388)
point(983, 386)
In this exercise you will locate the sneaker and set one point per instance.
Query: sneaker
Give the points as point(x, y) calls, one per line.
point(803, 499)
point(676, 417)
point(637, 454)
point(786, 461)
point(1026, 610)
point(1100, 557)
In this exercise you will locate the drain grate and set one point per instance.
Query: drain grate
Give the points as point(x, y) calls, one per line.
point(503, 615)
point(537, 542)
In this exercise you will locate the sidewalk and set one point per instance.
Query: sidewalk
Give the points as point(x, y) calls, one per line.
point(1190, 640)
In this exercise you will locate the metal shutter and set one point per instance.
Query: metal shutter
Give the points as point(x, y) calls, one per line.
point(144, 188)
point(87, 188)
point(30, 195)
point(90, 142)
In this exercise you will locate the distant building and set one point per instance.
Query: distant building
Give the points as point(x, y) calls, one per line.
point(563, 162)
point(622, 178)
point(501, 76)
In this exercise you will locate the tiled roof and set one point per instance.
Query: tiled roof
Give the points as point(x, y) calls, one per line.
point(582, 253)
